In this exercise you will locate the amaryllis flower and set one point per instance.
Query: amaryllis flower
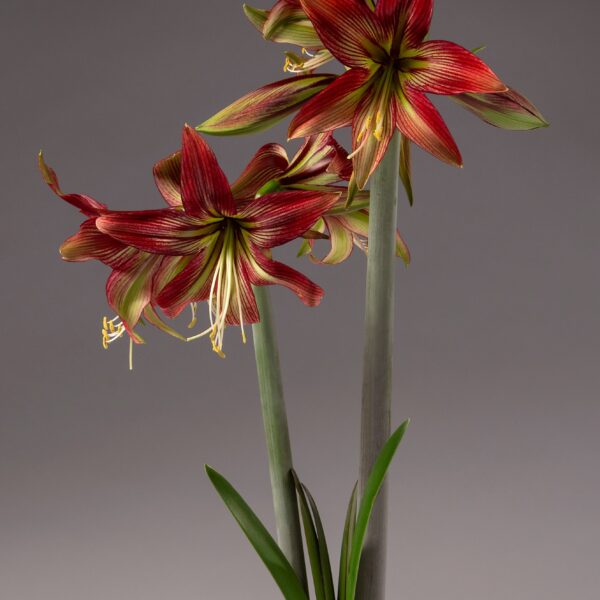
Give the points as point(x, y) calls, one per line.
point(390, 69)
point(225, 243)
point(320, 164)
point(136, 276)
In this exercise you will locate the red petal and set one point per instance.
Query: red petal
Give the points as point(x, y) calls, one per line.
point(275, 219)
point(331, 109)
point(406, 20)
point(247, 301)
point(376, 111)
point(266, 106)
point(88, 206)
point(341, 242)
point(269, 272)
point(192, 284)
point(447, 68)
point(91, 244)
point(205, 188)
point(167, 175)
point(269, 162)
point(347, 28)
point(162, 231)
point(129, 289)
point(418, 119)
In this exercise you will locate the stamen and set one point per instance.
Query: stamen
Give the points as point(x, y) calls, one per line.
point(111, 331)
point(192, 323)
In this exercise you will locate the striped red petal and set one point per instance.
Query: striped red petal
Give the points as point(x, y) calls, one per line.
point(204, 186)
point(163, 231)
point(275, 219)
point(265, 271)
point(167, 175)
point(269, 162)
point(333, 108)
point(418, 120)
point(87, 205)
point(446, 68)
point(347, 28)
point(407, 21)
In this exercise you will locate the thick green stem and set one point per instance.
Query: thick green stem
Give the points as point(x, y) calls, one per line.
point(277, 435)
point(377, 370)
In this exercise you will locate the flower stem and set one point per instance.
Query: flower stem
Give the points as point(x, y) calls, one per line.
point(377, 366)
point(277, 435)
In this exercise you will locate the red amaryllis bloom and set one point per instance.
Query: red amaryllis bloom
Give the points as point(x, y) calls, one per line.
point(320, 164)
point(136, 276)
point(391, 68)
point(226, 244)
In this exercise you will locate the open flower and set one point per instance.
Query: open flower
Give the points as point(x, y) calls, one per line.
point(390, 69)
point(224, 244)
point(320, 164)
point(136, 276)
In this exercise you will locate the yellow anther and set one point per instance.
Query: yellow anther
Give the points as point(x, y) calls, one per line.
point(105, 343)
point(244, 340)
point(105, 323)
point(112, 326)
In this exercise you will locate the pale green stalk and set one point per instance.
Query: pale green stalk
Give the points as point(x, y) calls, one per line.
point(277, 435)
point(377, 366)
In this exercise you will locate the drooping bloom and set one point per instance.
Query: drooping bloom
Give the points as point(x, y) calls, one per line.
point(224, 243)
point(136, 276)
point(390, 69)
point(320, 164)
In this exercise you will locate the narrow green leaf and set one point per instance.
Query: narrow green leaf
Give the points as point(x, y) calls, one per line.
point(323, 550)
point(312, 543)
point(374, 483)
point(347, 542)
point(262, 541)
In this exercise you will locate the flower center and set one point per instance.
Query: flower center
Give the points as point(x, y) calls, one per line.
point(225, 289)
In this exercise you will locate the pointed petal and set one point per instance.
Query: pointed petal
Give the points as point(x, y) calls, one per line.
point(162, 231)
point(269, 272)
point(205, 189)
point(419, 121)
point(276, 219)
point(88, 206)
point(245, 303)
point(257, 16)
point(441, 67)
point(129, 288)
point(152, 317)
point(269, 162)
point(334, 107)
point(507, 110)
point(167, 175)
point(372, 130)
point(402, 249)
point(347, 28)
point(91, 244)
point(405, 168)
point(406, 21)
point(266, 106)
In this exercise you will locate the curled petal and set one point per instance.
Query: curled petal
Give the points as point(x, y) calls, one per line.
point(257, 16)
point(441, 67)
point(205, 189)
point(163, 231)
point(333, 108)
point(349, 29)
point(167, 175)
point(507, 110)
point(275, 219)
point(152, 317)
point(91, 244)
point(341, 243)
point(265, 271)
point(129, 288)
point(287, 23)
point(87, 205)
point(418, 120)
point(269, 162)
point(266, 106)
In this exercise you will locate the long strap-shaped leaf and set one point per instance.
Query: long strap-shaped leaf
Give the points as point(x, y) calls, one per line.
point(264, 544)
point(347, 543)
point(367, 501)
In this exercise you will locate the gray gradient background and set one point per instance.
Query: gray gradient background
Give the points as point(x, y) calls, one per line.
point(495, 493)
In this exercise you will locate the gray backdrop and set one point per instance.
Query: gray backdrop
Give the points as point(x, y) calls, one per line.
point(495, 492)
